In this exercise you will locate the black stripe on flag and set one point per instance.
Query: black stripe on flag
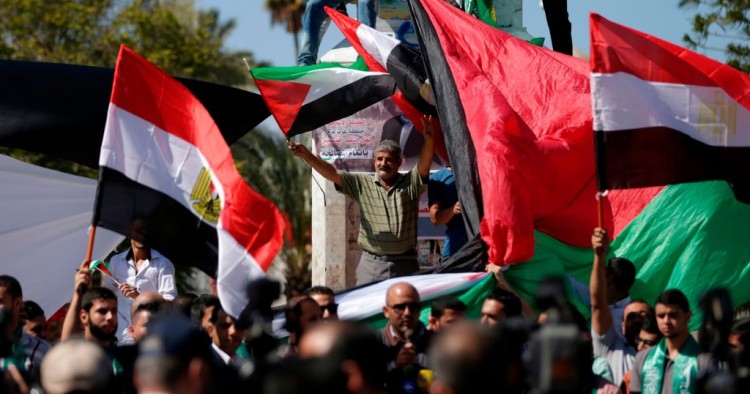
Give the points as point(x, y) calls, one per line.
point(157, 220)
point(342, 102)
point(60, 109)
point(406, 66)
point(463, 157)
point(453, 120)
point(658, 156)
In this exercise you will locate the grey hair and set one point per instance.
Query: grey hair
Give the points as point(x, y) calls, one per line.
point(389, 146)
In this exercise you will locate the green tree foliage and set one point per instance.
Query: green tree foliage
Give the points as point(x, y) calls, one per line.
point(179, 38)
point(721, 20)
point(288, 13)
point(266, 163)
point(173, 34)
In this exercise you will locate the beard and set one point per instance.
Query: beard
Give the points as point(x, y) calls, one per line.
point(100, 334)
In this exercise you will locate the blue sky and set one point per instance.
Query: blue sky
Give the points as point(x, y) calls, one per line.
point(661, 18)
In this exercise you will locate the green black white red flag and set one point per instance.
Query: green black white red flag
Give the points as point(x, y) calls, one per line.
point(167, 179)
point(664, 114)
point(305, 98)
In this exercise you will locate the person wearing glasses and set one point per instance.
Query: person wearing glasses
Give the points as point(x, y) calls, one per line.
point(325, 297)
point(406, 339)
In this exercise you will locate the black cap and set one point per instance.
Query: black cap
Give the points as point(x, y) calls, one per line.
point(170, 334)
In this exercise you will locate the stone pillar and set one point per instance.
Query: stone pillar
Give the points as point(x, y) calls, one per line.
point(329, 244)
point(509, 14)
point(335, 218)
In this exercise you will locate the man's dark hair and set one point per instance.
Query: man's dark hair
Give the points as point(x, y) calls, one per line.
point(673, 297)
point(319, 290)
point(511, 301)
point(11, 285)
point(359, 343)
point(443, 303)
point(96, 293)
point(183, 302)
point(31, 310)
point(623, 272)
point(199, 305)
point(633, 327)
point(650, 326)
point(741, 328)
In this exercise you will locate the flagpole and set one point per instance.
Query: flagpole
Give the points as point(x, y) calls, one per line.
point(90, 249)
point(600, 208)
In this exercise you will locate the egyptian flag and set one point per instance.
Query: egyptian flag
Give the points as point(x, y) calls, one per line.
point(386, 54)
point(664, 114)
point(305, 98)
point(167, 179)
point(60, 109)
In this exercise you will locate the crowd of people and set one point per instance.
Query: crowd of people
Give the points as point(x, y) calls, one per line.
point(186, 343)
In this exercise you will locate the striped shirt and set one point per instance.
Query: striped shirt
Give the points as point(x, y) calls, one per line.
point(388, 223)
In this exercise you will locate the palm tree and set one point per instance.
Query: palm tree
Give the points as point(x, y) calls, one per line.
point(267, 165)
point(289, 13)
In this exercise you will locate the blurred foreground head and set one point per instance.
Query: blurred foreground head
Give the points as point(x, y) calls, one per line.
point(77, 366)
point(469, 358)
point(174, 357)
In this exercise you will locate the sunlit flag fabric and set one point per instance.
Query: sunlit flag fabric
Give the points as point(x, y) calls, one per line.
point(167, 178)
point(688, 236)
point(664, 114)
point(520, 114)
point(307, 97)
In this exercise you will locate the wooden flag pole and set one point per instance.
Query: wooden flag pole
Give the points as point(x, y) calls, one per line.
point(600, 208)
point(90, 249)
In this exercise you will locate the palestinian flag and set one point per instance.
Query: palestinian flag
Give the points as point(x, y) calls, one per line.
point(305, 98)
point(386, 54)
point(167, 179)
point(45, 106)
point(664, 114)
point(521, 149)
point(687, 236)
point(102, 266)
point(365, 303)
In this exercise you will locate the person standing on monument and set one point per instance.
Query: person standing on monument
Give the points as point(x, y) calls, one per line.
point(388, 204)
point(315, 23)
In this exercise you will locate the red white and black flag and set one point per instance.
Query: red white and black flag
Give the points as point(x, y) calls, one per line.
point(518, 128)
point(386, 54)
point(664, 114)
point(167, 178)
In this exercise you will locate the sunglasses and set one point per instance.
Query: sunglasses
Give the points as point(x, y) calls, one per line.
point(400, 308)
point(331, 308)
point(646, 341)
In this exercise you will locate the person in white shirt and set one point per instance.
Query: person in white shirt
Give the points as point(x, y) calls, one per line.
point(138, 270)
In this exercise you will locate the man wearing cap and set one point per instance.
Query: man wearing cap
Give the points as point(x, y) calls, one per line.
point(175, 357)
point(388, 205)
